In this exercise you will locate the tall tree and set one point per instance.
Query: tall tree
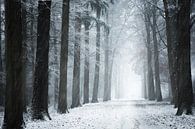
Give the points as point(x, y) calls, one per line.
point(172, 41)
point(2, 88)
point(150, 78)
point(97, 64)
point(13, 117)
point(156, 52)
point(86, 66)
point(55, 62)
point(185, 93)
point(76, 69)
point(98, 6)
point(107, 86)
point(62, 101)
point(40, 89)
point(24, 47)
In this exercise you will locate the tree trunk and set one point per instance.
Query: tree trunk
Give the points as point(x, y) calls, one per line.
point(171, 32)
point(13, 117)
point(24, 59)
point(151, 93)
point(55, 62)
point(2, 87)
point(156, 54)
point(76, 69)
point(40, 89)
point(185, 93)
point(97, 64)
point(145, 95)
point(33, 50)
point(62, 101)
point(86, 66)
point(107, 88)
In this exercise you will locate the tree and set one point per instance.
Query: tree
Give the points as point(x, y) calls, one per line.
point(40, 89)
point(55, 61)
point(150, 79)
point(86, 66)
point(100, 7)
point(156, 52)
point(13, 116)
point(172, 40)
point(185, 93)
point(24, 47)
point(107, 86)
point(97, 64)
point(62, 101)
point(2, 88)
point(76, 69)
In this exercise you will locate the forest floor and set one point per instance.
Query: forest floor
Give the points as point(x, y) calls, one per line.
point(117, 115)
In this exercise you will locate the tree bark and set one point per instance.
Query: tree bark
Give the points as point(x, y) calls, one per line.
point(151, 93)
point(62, 101)
point(107, 87)
point(156, 54)
point(97, 64)
point(2, 87)
point(86, 66)
point(145, 95)
point(13, 117)
point(172, 41)
point(76, 69)
point(24, 47)
point(40, 89)
point(185, 93)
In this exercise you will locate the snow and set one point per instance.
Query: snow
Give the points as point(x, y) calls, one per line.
point(121, 114)
point(118, 115)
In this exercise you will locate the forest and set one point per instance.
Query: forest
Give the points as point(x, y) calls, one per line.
point(97, 64)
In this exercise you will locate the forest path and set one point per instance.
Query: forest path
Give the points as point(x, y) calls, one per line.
point(118, 115)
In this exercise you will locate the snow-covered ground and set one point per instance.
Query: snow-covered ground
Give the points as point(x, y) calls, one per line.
point(118, 115)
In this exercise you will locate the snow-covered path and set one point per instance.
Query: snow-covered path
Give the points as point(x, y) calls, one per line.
point(118, 115)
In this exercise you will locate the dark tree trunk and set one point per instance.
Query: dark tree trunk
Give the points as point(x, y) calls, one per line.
point(151, 93)
point(156, 54)
point(86, 67)
point(24, 47)
point(40, 89)
point(185, 93)
point(171, 32)
point(107, 88)
point(2, 87)
point(76, 69)
point(97, 64)
point(62, 101)
point(13, 117)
